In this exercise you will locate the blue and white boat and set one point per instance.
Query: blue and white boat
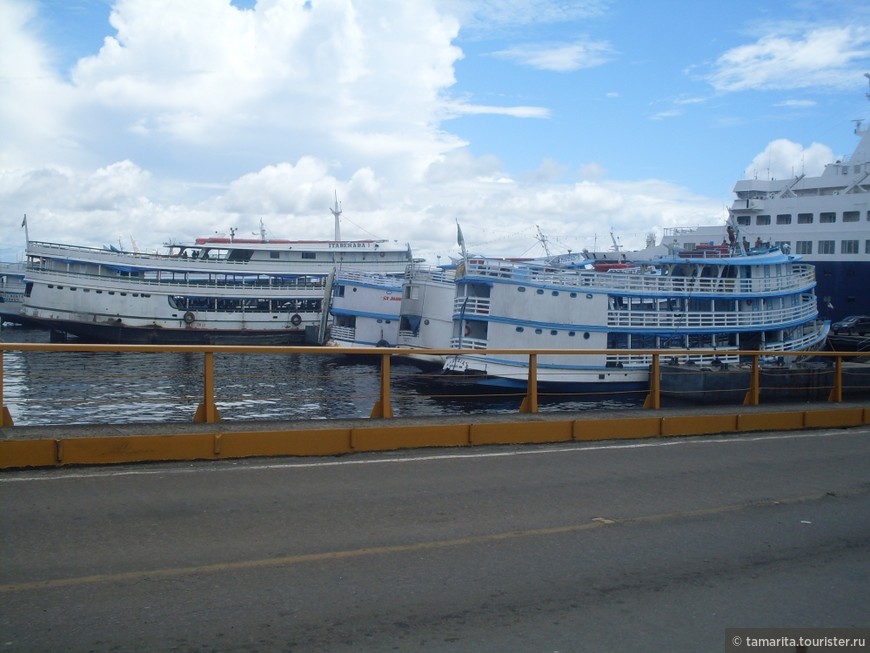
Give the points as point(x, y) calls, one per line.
point(426, 313)
point(711, 298)
point(365, 309)
point(11, 292)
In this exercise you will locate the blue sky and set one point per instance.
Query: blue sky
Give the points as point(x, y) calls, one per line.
point(154, 120)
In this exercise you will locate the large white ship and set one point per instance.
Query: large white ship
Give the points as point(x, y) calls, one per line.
point(825, 219)
point(214, 290)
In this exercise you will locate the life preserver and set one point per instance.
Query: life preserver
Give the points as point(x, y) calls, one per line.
point(189, 317)
point(296, 320)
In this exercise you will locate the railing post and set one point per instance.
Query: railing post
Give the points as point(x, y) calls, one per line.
point(837, 391)
point(5, 415)
point(530, 401)
point(754, 393)
point(383, 407)
point(654, 398)
point(207, 411)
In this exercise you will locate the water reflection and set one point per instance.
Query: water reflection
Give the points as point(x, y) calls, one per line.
point(115, 388)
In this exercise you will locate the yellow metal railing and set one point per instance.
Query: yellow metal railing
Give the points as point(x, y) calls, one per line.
point(207, 408)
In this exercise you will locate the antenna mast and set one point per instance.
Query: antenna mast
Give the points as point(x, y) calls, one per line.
point(336, 212)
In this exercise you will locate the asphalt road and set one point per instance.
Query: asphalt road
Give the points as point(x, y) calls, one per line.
point(631, 546)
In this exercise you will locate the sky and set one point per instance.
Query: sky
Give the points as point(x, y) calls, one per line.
point(143, 122)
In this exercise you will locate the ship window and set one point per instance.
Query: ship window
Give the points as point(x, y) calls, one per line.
point(805, 218)
point(555, 293)
point(521, 289)
point(867, 246)
point(274, 254)
point(573, 294)
point(539, 331)
point(572, 333)
point(540, 291)
point(804, 247)
point(310, 255)
point(783, 218)
point(762, 220)
point(520, 329)
point(99, 292)
point(851, 216)
point(585, 335)
point(826, 247)
point(827, 218)
point(553, 332)
point(849, 247)
point(743, 220)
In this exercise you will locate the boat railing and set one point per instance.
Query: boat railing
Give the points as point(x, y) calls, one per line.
point(674, 356)
point(472, 306)
point(343, 333)
point(175, 282)
point(468, 342)
point(799, 277)
point(369, 278)
point(721, 319)
point(416, 273)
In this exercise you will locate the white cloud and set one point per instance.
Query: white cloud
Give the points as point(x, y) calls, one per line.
point(198, 117)
point(783, 159)
point(819, 57)
point(559, 57)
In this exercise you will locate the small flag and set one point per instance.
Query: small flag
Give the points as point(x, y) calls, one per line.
point(24, 221)
point(460, 240)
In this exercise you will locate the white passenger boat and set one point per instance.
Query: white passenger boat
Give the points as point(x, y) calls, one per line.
point(426, 312)
point(365, 309)
point(11, 292)
point(714, 298)
point(825, 219)
point(214, 290)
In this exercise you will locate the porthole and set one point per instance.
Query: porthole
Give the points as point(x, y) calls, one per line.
point(589, 295)
point(520, 329)
point(572, 333)
point(521, 289)
point(553, 332)
point(539, 331)
point(540, 291)
point(573, 295)
point(586, 335)
point(555, 293)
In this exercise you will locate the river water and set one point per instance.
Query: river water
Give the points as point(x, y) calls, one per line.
point(55, 388)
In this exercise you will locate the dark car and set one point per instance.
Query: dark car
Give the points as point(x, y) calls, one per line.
point(855, 325)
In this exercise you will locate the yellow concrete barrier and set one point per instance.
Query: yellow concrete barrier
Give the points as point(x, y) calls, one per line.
point(313, 442)
point(135, 448)
point(617, 428)
point(389, 438)
point(698, 424)
point(521, 432)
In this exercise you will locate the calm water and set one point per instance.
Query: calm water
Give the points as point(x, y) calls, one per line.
point(118, 388)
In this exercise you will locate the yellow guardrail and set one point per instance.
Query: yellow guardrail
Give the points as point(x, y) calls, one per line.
point(207, 409)
point(208, 438)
